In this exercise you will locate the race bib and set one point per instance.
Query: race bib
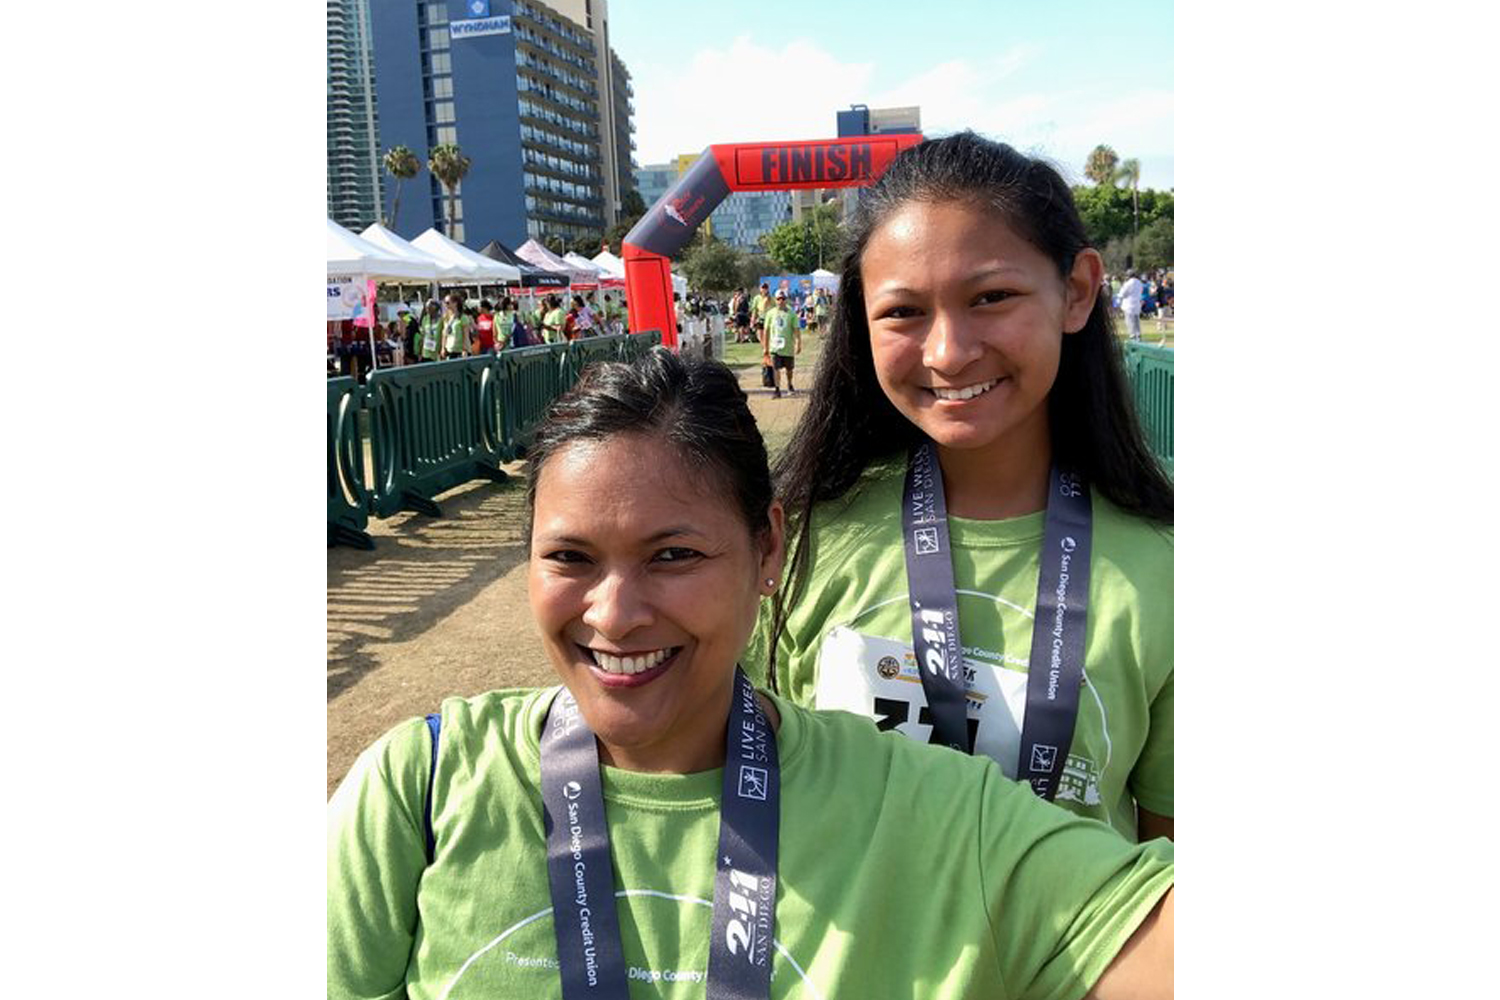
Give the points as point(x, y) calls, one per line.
point(878, 678)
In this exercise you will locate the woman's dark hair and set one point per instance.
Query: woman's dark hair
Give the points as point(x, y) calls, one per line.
point(695, 406)
point(850, 423)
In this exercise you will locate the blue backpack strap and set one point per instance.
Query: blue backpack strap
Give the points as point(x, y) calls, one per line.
point(434, 723)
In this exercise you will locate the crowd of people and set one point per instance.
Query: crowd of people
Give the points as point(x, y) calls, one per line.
point(1139, 296)
point(892, 718)
point(458, 327)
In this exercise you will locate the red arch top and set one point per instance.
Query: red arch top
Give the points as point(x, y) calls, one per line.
point(746, 166)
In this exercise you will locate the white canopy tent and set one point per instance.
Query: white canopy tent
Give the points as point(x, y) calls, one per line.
point(612, 266)
point(395, 245)
point(826, 280)
point(581, 262)
point(534, 253)
point(478, 267)
point(352, 256)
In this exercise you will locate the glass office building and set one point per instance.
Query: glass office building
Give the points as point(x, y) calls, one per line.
point(354, 193)
point(518, 87)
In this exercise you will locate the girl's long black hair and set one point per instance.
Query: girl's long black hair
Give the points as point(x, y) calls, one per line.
point(850, 423)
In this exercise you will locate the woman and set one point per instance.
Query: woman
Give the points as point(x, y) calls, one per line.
point(505, 321)
point(456, 327)
point(653, 536)
point(553, 321)
point(484, 330)
point(970, 413)
point(431, 331)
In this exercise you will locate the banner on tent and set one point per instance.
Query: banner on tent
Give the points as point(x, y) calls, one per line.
point(346, 298)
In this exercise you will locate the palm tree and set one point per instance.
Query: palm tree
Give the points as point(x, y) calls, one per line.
point(1130, 172)
point(1100, 167)
point(449, 164)
point(402, 164)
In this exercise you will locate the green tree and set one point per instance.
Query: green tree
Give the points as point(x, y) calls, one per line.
point(1105, 211)
point(800, 247)
point(713, 266)
point(632, 207)
point(1100, 167)
point(790, 246)
point(587, 245)
point(449, 164)
point(752, 268)
point(402, 164)
point(1154, 248)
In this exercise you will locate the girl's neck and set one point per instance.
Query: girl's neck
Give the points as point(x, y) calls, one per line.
point(1006, 478)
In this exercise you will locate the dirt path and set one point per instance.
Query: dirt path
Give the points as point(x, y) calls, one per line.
point(439, 608)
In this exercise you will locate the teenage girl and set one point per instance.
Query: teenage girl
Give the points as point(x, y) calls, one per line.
point(971, 350)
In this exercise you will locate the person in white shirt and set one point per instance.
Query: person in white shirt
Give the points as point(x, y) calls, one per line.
point(1130, 303)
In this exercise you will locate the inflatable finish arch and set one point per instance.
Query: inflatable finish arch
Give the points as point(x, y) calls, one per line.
point(753, 166)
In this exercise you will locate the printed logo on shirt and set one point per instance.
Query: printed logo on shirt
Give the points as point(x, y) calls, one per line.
point(753, 782)
point(925, 541)
point(1043, 757)
point(521, 960)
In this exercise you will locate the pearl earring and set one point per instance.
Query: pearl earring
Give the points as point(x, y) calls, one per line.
point(770, 583)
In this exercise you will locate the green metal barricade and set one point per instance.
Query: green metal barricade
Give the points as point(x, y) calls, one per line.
point(590, 350)
point(1151, 375)
point(635, 345)
point(438, 425)
point(533, 377)
point(348, 499)
point(434, 426)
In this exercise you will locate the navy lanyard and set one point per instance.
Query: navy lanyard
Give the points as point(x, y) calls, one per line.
point(579, 871)
point(1055, 671)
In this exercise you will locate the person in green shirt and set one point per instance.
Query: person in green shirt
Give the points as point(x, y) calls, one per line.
point(653, 534)
point(430, 335)
point(781, 342)
point(456, 326)
point(553, 320)
point(970, 326)
point(758, 306)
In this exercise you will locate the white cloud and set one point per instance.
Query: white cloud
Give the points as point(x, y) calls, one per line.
point(750, 92)
point(745, 93)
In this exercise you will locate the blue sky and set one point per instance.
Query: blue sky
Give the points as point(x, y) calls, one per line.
point(1052, 79)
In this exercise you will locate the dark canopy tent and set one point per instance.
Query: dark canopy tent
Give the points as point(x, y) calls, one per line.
point(531, 275)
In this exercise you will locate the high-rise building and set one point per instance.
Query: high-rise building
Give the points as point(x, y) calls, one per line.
point(529, 92)
point(862, 119)
point(653, 180)
point(745, 216)
point(353, 142)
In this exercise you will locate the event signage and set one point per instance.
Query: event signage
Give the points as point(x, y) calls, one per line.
point(345, 298)
point(477, 26)
point(851, 161)
point(478, 8)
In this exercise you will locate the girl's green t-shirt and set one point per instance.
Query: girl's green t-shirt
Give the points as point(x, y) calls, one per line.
point(847, 643)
